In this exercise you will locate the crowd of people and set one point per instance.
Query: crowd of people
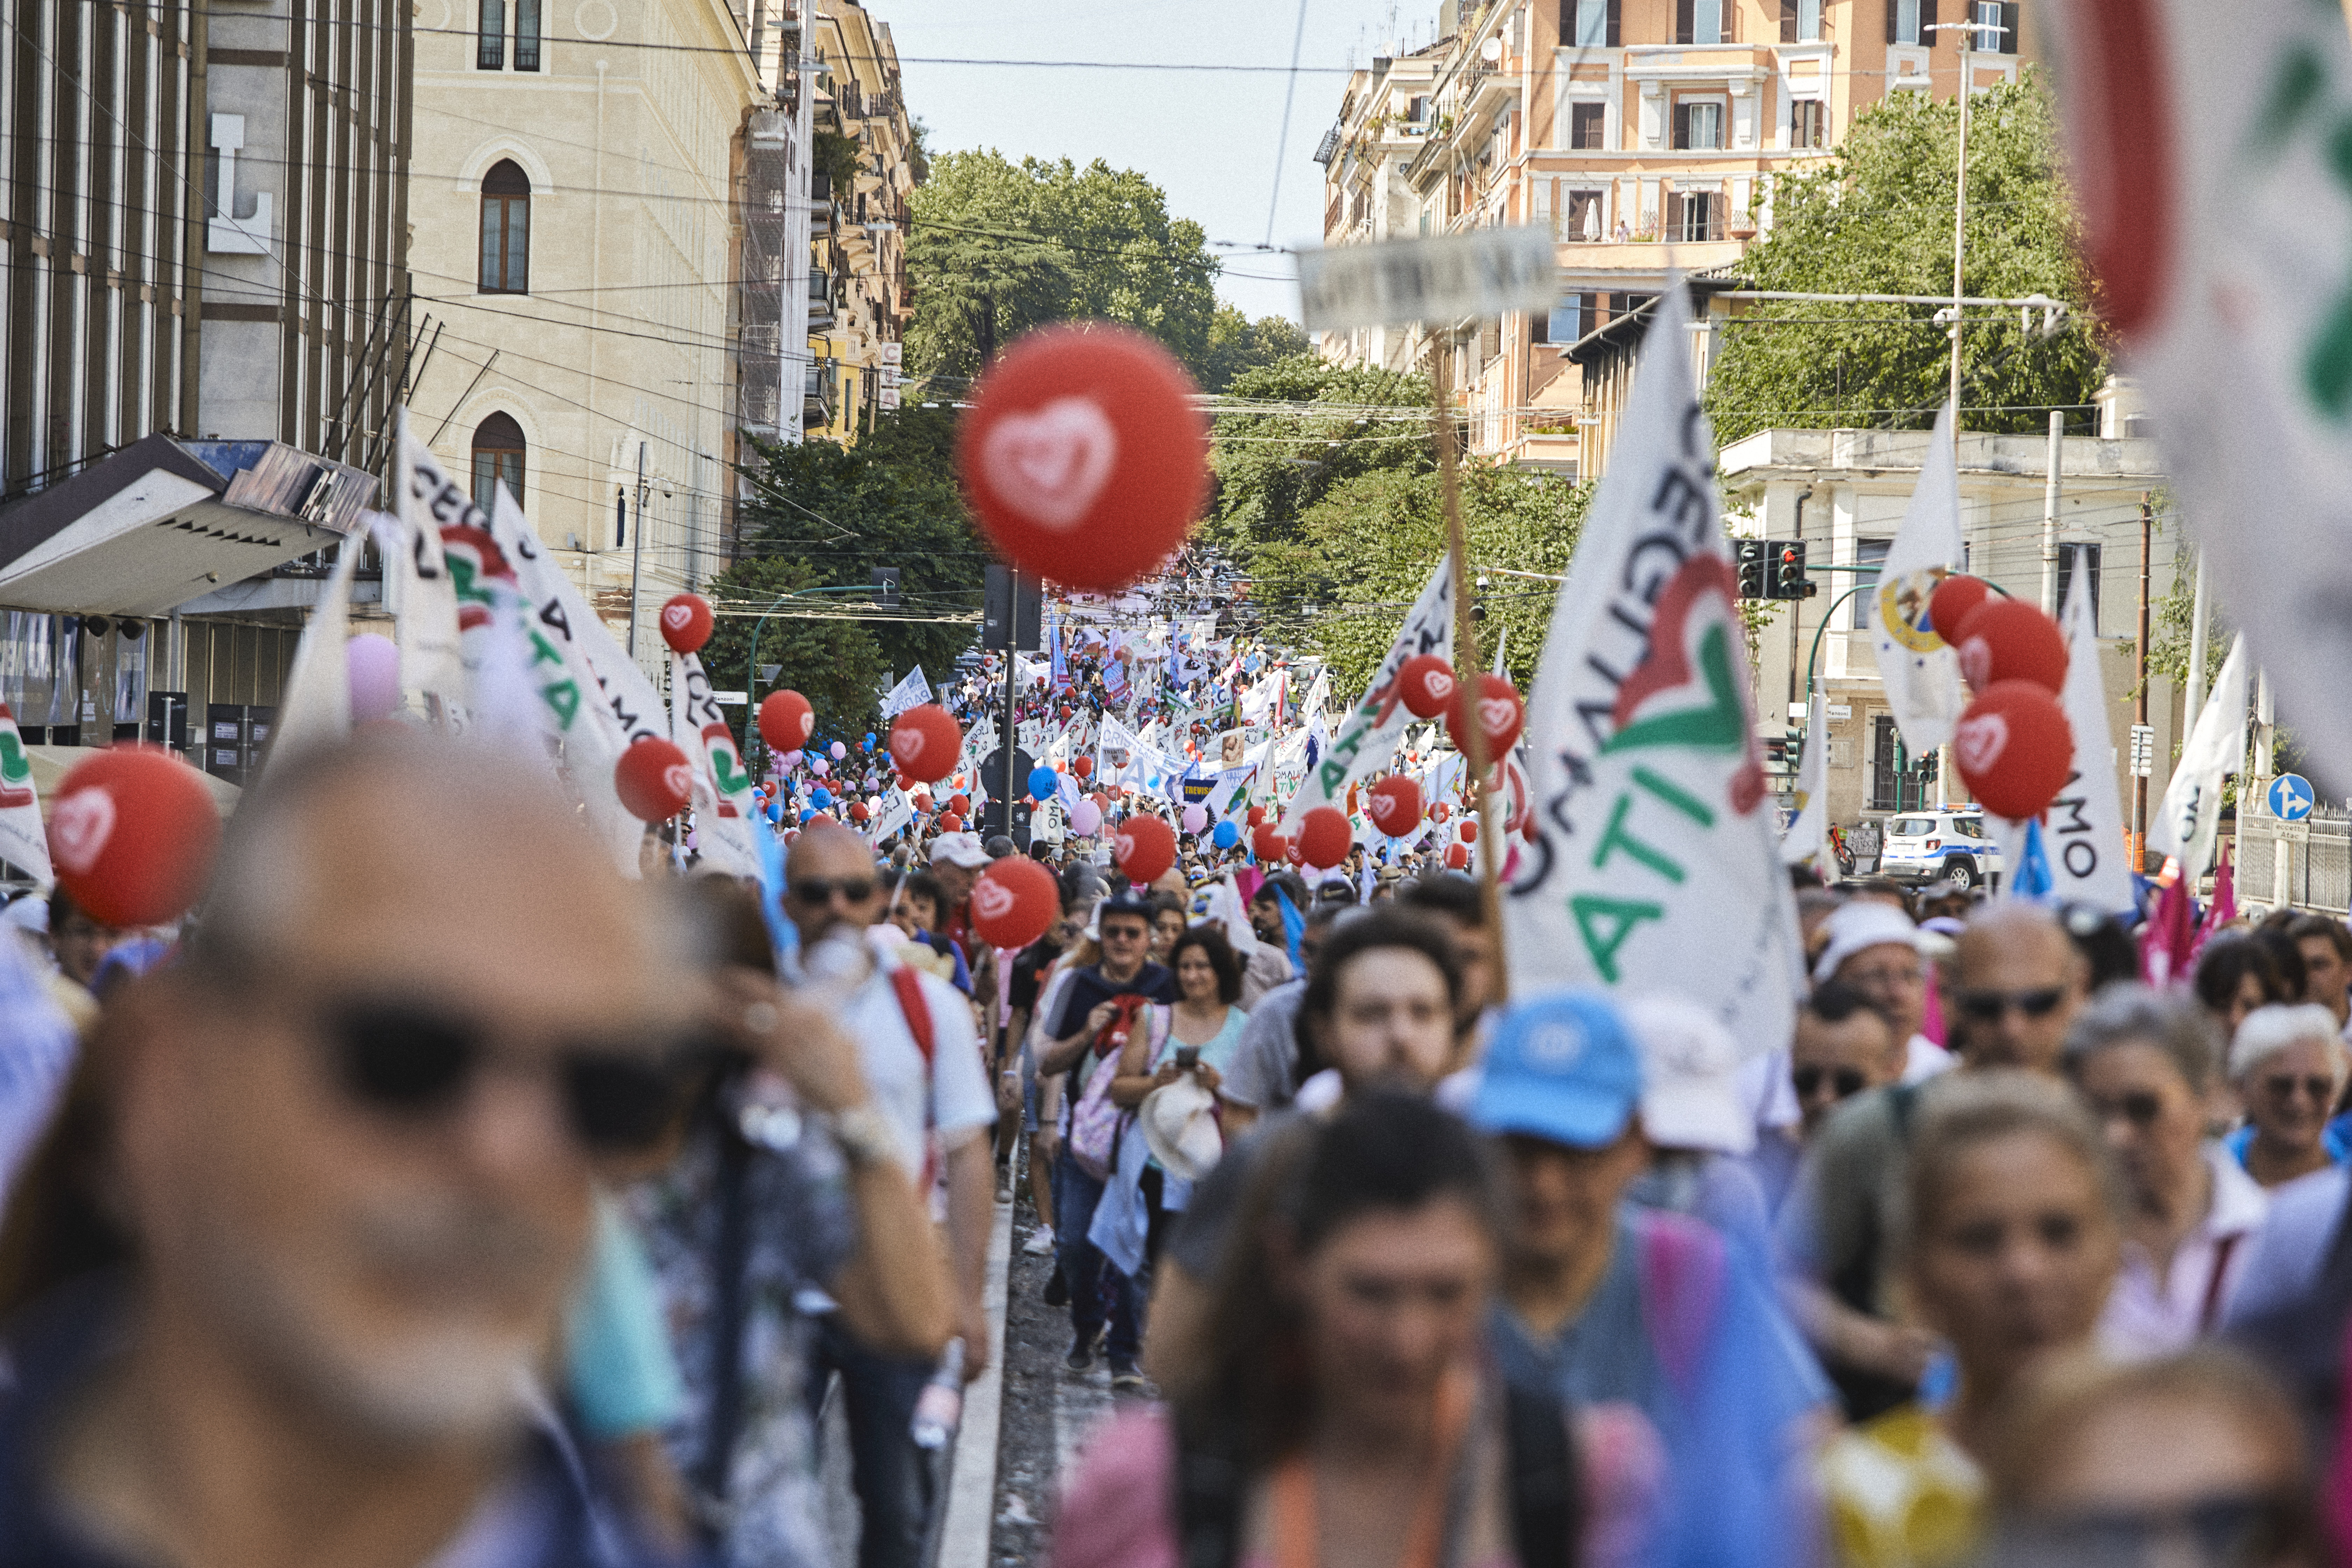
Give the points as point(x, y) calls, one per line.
point(434, 1197)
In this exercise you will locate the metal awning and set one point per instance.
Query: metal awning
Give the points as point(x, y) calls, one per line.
point(164, 521)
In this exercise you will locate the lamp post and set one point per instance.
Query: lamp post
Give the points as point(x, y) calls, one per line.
point(751, 659)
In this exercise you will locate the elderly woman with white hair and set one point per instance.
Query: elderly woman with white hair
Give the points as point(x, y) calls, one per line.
point(2288, 1065)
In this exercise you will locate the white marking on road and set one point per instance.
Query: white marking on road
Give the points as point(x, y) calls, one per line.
point(965, 1537)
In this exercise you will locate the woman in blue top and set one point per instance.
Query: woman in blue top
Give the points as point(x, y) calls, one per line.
point(2288, 1065)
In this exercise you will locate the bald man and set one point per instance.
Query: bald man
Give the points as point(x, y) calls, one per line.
point(286, 1267)
point(2010, 994)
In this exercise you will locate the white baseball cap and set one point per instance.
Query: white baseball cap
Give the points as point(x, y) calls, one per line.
point(959, 849)
point(1690, 1077)
point(1866, 922)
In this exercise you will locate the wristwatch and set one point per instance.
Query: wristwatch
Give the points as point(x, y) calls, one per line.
point(864, 1134)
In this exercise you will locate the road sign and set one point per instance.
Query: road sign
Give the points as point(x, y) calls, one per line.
point(2291, 797)
point(1483, 273)
point(2143, 750)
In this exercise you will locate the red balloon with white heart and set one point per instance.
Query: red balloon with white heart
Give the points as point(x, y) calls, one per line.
point(1083, 455)
point(1267, 842)
point(1500, 715)
point(654, 780)
point(926, 742)
point(2008, 639)
point(1394, 805)
point(2014, 749)
point(685, 622)
point(1013, 902)
point(1145, 847)
point(1324, 836)
point(1425, 684)
point(786, 721)
point(132, 835)
point(1955, 598)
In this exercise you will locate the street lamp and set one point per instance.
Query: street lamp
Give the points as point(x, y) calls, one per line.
point(1960, 202)
point(752, 658)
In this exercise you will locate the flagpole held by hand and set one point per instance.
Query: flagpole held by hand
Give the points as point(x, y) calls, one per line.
point(1488, 852)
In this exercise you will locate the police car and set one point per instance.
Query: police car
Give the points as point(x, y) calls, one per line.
point(1939, 846)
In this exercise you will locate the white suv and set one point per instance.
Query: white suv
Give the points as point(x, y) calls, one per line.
point(1939, 846)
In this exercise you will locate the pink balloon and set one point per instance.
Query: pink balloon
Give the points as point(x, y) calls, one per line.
point(839, 751)
point(790, 759)
point(1085, 818)
point(373, 663)
point(1196, 817)
point(820, 767)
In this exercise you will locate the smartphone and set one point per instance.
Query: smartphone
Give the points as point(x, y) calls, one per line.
point(1187, 1058)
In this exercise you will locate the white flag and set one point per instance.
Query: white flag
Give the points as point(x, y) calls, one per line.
point(1368, 738)
point(723, 819)
point(24, 842)
point(316, 708)
point(2220, 220)
point(2082, 832)
point(1654, 864)
point(897, 810)
point(911, 692)
point(1809, 832)
point(2191, 817)
point(1920, 671)
point(417, 590)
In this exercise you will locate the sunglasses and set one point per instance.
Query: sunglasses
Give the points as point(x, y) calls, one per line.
point(1986, 1007)
point(1844, 1082)
point(417, 1063)
point(2225, 1531)
point(816, 891)
point(2283, 1087)
point(1125, 932)
point(2139, 1107)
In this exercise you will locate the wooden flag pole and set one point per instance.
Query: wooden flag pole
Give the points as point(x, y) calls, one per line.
point(1487, 852)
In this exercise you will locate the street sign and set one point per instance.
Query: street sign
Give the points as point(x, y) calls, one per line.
point(730, 698)
point(2291, 797)
point(2143, 750)
point(1483, 273)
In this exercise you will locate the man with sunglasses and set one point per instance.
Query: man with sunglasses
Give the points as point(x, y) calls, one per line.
point(935, 1093)
point(2015, 983)
point(282, 1280)
point(1842, 1046)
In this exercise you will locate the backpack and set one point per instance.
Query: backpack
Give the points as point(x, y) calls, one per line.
point(1094, 1122)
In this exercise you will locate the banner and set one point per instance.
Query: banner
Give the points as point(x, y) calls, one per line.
point(1921, 672)
point(722, 786)
point(1368, 738)
point(24, 842)
point(2186, 825)
point(1654, 845)
point(2084, 833)
point(1809, 833)
point(911, 692)
point(416, 586)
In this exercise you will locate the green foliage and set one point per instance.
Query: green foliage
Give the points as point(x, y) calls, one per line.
point(998, 248)
point(1237, 345)
point(834, 664)
point(1877, 219)
point(1361, 552)
point(1273, 464)
point(821, 515)
point(835, 157)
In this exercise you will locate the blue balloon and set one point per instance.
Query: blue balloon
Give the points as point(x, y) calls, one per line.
point(1227, 836)
point(869, 739)
point(821, 797)
point(805, 815)
point(1043, 783)
point(775, 811)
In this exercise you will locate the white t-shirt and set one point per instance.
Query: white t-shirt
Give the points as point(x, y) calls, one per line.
point(958, 1099)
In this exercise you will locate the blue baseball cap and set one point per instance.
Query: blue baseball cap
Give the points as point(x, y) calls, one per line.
point(1561, 1065)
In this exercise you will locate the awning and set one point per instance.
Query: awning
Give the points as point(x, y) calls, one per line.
point(52, 764)
point(164, 521)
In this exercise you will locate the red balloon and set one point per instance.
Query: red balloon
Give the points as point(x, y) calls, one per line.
point(132, 835)
point(1458, 856)
point(2014, 749)
point(1324, 837)
point(1469, 830)
point(925, 744)
point(959, 802)
point(1440, 812)
point(1267, 842)
point(1102, 802)
point(1955, 598)
point(1083, 455)
point(922, 800)
point(822, 819)
point(1292, 853)
point(1084, 767)
point(654, 780)
point(1425, 684)
point(1145, 847)
point(685, 622)
point(857, 812)
point(2008, 639)
point(1394, 805)
point(1257, 816)
point(786, 721)
point(951, 823)
point(1013, 902)
point(1500, 714)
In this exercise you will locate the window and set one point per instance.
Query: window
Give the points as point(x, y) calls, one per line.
point(1995, 32)
point(2082, 558)
point(1583, 215)
point(1808, 120)
point(1887, 772)
point(527, 35)
point(1701, 22)
point(1698, 127)
point(1694, 217)
point(506, 229)
point(1588, 127)
point(1590, 24)
point(1867, 553)
point(1570, 319)
point(1908, 21)
point(497, 459)
point(491, 55)
point(1801, 21)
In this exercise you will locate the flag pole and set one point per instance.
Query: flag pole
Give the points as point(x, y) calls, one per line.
point(1465, 675)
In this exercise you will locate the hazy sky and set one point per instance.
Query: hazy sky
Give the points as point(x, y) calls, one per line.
point(1207, 138)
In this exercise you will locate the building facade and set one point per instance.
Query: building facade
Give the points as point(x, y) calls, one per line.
point(866, 169)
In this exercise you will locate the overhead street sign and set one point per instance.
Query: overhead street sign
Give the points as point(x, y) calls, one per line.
point(1483, 273)
point(2291, 797)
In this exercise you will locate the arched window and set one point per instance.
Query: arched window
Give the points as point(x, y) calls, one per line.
point(506, 229)
point(497, 457)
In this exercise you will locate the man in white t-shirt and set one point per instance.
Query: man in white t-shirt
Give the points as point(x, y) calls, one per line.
point(940, 1110)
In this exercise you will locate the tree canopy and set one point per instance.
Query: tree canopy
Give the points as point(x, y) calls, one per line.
point(1877, 219)
point(1297, 429)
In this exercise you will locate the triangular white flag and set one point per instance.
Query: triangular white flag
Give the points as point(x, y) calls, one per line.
point(2083, 831)
point(723, 812)
point(1920, 672)
point(316, 706)
point(911, 692)
point(2191, 817)
point(417, 590)
point(24, 842)
point(1654, 840)
point(1369, 736)
point(1809, 834)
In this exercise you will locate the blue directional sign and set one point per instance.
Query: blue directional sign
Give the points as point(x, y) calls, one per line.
point(2291, 797)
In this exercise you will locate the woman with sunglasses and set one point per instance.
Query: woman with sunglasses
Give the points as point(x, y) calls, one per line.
point(2288, 1065)
point(2149, 1066)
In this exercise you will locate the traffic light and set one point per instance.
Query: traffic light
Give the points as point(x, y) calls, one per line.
point(1789, 579)
point(1752, 555)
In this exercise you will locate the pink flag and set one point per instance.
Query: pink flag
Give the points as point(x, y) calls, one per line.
point(2168, 945)
point(2224, 907)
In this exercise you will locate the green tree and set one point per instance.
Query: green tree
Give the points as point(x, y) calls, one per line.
point(1237, 345)
point(998, 248)
point(1304, 428)
point(833, 663)
point(1877, 219)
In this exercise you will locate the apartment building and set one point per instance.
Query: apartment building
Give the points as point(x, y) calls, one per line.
point(575, 202)
point(866, 169)
point(1630, 127)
